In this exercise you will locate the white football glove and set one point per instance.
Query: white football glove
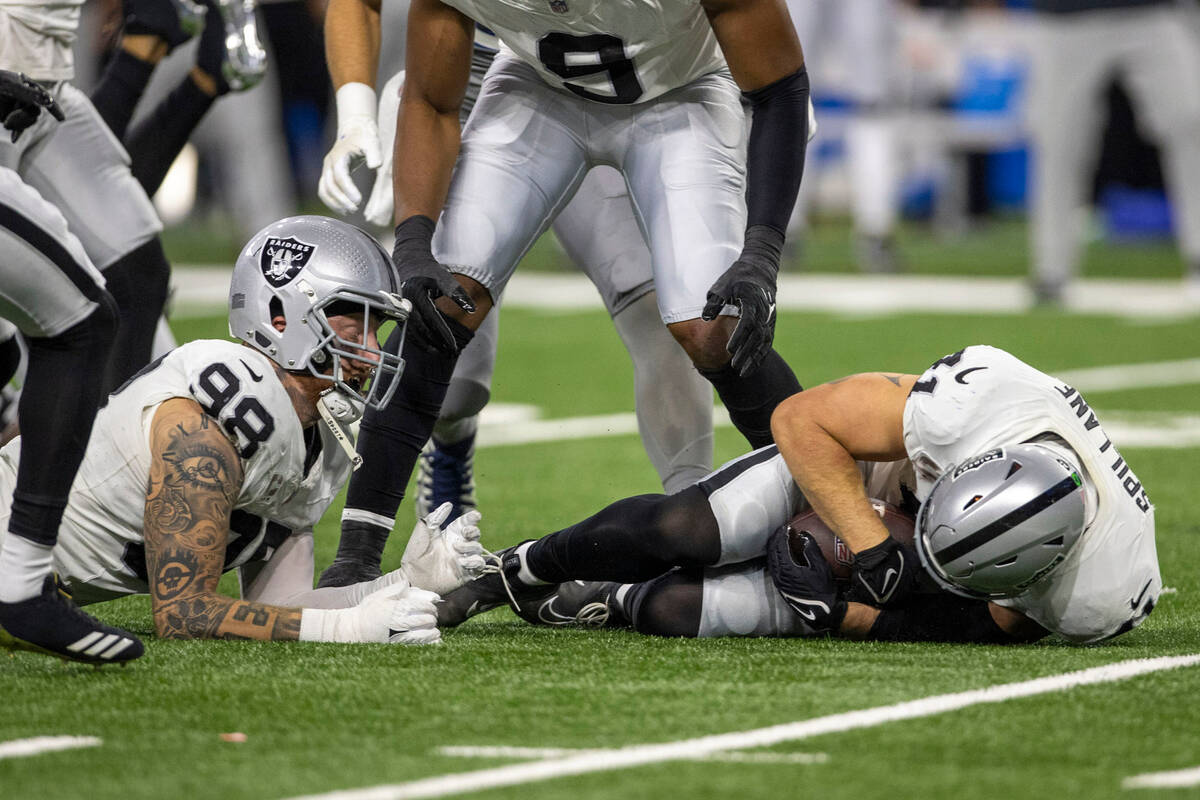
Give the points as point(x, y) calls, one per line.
point(379, 204)
point(357, 142)
point(397, 614)
point(443, 559)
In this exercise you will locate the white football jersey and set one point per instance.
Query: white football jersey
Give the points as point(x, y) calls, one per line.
point(981, 398)
point(609, 51)
point(101, 553)
point(36, 37)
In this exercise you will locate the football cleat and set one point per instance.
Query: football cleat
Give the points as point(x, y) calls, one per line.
point(446, 474)
point(173, 21)
point(51, 624)
point(589, 604)
point(499, 585)
point(230, 50)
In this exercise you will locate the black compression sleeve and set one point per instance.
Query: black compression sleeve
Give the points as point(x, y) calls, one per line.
point(939, 618)
point(778, 139)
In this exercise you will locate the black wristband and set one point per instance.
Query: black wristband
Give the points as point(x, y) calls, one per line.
point(763, 245)
point(414, 237)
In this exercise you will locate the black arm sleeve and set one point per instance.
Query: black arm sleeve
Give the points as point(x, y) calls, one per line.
point(778, 139)
point(940, 618)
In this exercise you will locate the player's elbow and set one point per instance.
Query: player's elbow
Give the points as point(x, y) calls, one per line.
point(791, 416)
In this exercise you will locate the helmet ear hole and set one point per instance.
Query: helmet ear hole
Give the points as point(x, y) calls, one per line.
point(275, 309)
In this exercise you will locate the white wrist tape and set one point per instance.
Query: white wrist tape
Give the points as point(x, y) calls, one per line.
point(329, 625)
point(355, 100)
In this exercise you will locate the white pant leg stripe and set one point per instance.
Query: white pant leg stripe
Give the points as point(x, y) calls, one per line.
point(103, 644)
point(116, 648)
point(85, 641)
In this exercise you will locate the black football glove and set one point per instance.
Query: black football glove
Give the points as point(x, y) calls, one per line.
point(359, 555)
point(804, 579)
point(423, 280)
point(21, 100)
point(750, 285)
point(884, 575)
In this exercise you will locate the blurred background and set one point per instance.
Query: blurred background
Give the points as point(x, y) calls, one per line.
point(932, 115)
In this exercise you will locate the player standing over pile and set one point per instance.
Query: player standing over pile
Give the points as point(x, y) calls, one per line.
point(650, 88)
point(224, 455)
point(1026, 509)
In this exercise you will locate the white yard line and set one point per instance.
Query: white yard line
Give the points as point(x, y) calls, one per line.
point(638, 755)
point(508, 751)
point(1176, 779)
point(19, 748)
point(1133, 376)
point(202, 290)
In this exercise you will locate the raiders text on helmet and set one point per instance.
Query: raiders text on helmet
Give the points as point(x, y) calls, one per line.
point(305, 268)
point(997, 523)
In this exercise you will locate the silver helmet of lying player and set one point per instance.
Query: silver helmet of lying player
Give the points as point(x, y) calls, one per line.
point(998, 523)
point(308, 268)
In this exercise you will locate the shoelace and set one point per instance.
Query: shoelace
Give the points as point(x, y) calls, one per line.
point(593, 615)
point(493, 564)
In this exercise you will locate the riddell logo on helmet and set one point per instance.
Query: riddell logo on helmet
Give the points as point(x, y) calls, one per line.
point(282, 259)
point(976, 463)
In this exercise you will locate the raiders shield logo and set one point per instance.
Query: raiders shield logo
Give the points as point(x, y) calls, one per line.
point(559, 6)
point(282, 259)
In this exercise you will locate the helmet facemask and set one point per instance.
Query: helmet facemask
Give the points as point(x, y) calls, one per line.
point(331, 351)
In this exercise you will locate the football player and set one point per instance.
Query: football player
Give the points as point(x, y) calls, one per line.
point(224, 455)
point(599, 232)
point(78, 166)
point(56, 298)
point(1030, 522)
point(655, 90)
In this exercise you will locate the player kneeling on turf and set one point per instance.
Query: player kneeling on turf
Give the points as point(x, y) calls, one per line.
point(224, 456)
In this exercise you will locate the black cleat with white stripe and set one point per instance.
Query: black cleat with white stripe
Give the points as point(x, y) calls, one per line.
point(53, 625)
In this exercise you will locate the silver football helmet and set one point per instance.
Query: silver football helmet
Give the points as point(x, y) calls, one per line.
point(997, 523)
point(305, 268)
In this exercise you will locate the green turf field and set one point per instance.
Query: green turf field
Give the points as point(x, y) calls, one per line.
point(320, 718)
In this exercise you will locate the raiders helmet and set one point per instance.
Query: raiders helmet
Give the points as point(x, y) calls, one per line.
point(997, 523)
point(305, 268)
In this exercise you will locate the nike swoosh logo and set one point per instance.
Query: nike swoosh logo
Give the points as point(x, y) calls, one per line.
point(254, 375)
point(548, 615)
point(891, 579)
point(1137, 601)
point(808, 613)
point(961, 377)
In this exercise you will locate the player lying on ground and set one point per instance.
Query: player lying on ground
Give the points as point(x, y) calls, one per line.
point(1028, 510)
point(224, 455)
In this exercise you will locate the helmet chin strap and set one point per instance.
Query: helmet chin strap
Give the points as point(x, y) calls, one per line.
point(337, 412)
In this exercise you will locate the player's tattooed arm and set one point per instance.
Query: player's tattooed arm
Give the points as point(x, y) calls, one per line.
point(195, 477)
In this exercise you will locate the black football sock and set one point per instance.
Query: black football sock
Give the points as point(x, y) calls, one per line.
point(669, 605)
point(632, 540)
point(750, 400)
point(158, 139)
point(138, 282)
point(119, 90)
point(390, 440)
point(55, 424)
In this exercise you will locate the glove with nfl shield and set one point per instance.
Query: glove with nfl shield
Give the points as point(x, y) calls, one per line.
point(357, 143)
point(749, 284)
point(22, 100)
point(443, 559)
point(422, 281)
point(397, 614)
point(883, 575)
point(804, 579)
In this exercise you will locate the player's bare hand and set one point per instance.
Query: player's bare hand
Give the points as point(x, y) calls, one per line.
point(22, 100)
point(422, 281)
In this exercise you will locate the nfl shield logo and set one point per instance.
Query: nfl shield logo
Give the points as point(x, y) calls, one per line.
point(558, 6)
point(282, 259)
